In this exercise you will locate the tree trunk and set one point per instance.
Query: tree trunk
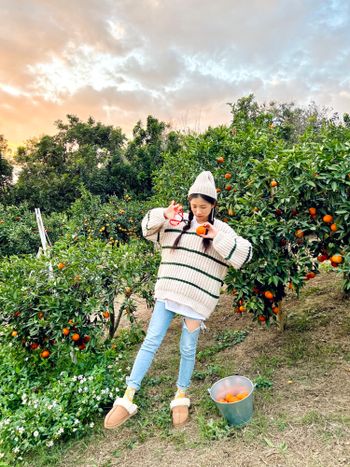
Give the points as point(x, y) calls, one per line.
point(281, 318)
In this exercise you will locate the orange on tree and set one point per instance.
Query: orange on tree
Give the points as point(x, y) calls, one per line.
point(14, 333)
point(337, 259)
point(327, 218)
point(268, 295)
point(82, 346)
point(45, 354)
point(228, 187)
point(34, 345)
point(312, 211)
point(334, 227)
point(60, 266)
point(220, 160)
point(299, 233)
point(75, 337)
point(106, 314)
point(321, 258)
point(86, 339)
point(218, 190)
point(273, 183)
point(261, 318)
point(310, 275)
point(242, 308)
point(275, 310)
point(228, 176)
point(65, 331)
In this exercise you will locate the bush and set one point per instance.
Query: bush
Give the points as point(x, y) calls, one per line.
point(53, 404)
point(67, 309)
point(19, 231)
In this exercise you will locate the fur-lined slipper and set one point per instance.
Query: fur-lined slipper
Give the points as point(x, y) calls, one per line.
point(180, 412)
point(121, 411)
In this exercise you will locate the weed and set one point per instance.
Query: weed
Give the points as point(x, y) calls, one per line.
point(262, 382)
point(225, 339)
point(214, 429)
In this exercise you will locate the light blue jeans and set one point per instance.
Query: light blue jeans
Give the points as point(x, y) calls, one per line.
point(158, 326)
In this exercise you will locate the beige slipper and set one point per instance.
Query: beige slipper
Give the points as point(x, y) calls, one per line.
point(121, 411)
point(180, 412)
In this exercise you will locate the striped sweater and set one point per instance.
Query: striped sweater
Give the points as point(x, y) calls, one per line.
point(188, 274)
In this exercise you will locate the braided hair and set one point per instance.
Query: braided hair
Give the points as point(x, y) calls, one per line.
point(206, 241)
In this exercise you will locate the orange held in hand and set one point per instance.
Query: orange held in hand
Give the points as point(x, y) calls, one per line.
point(201, 230)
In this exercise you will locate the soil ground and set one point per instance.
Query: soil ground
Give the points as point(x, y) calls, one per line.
point(303, 419)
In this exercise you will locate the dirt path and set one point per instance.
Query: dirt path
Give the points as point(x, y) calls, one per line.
point(303, 420)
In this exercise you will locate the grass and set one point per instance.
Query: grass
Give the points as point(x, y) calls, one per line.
point(301, 403)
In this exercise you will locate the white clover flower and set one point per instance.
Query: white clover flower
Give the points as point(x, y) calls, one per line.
point(74, 378)
point(76, 421)
point(35, 405)
point(128, 368)
point(91, 425)
point(82, 381)
point(116, 389)
point(16, 450)
point(80, 376)
point(74, 430)
point(7, 421)
point(80, 390)
point(98, 398)
point(36, 434)
point(86, 389)
point(49, 444)
point(110, 367)
point(49, 406)
point(2, 454)
point(20, 429)
point(91, 378)
point(60, 431)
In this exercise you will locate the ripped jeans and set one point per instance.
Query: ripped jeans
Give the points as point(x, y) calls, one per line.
point(158, 326)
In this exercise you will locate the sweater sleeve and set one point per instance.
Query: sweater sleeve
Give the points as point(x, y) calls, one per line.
point(236, 250)
point(152, 224)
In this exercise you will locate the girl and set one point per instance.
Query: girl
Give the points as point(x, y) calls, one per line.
point(189, 279)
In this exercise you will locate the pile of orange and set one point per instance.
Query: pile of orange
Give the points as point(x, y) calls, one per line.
point(231, 397)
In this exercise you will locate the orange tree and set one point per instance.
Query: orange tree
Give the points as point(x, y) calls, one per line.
point(267, 188)
point(66, 310)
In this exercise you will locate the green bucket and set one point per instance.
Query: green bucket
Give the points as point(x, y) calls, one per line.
point(236, 413)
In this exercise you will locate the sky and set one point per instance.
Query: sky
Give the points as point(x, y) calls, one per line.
point(181, 61)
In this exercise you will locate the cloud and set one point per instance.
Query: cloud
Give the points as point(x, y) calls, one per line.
point(181, 61)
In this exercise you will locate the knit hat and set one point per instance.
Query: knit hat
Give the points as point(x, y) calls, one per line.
point(204, 185)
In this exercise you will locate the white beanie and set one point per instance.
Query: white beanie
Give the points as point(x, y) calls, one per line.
point(204, 185)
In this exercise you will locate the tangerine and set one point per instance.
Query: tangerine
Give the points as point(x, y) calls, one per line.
point(60, 266)
point(201, 230)
point(220, 160)
point(273, 183)
point(268, 294)
point(45, 354)
point(75, 337)
point(327, 218)
point(313, 211)
point(337, 259)
point(334, 227)
point(65, 331)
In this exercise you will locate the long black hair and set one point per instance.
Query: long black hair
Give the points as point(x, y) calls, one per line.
point(211, 218)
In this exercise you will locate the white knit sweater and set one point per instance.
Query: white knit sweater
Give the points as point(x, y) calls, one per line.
point(188, 274)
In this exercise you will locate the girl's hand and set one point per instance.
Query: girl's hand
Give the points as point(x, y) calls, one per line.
point(171, 210)
point(211, 231)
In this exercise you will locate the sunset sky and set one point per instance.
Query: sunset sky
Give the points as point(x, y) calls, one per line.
point(178, 60)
